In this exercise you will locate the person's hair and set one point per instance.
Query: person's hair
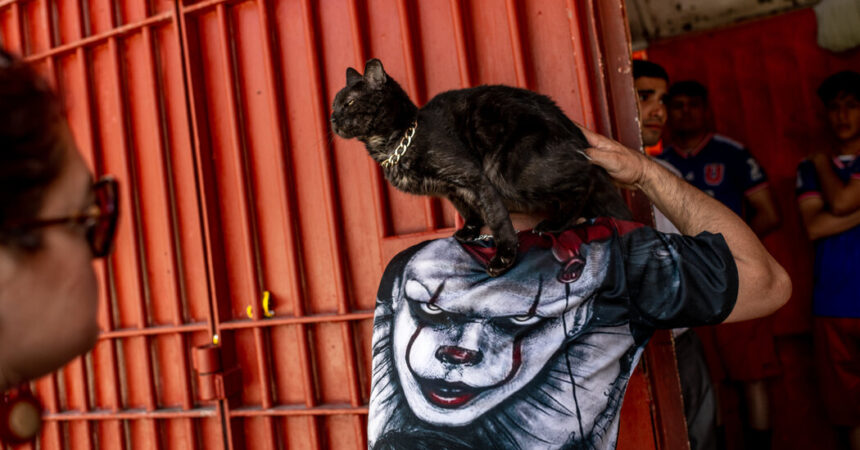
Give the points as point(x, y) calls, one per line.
point(31, 156)
point(845, 82)
point(643, 68)
point(689, 88)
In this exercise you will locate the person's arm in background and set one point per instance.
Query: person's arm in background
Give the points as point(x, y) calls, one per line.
point(762, 213)
point(763, 285)
point(843, 198)
point(765, 215)
point(820, 222)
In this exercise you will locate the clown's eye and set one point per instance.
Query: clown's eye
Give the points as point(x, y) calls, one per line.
point(525, 320)
point(431, 309)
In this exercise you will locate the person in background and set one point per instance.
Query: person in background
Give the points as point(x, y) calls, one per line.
point(53, 221)
point(651, 83)
point(725, 170)
point(828, 196)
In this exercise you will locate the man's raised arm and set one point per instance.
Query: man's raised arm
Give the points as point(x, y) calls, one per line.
point(763, 285)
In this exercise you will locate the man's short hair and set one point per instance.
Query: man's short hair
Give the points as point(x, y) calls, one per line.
point(642, 68)
point(690, 88)
point(847, 82)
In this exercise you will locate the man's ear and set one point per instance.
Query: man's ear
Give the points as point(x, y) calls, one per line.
point(352, 76)
point(374, 73)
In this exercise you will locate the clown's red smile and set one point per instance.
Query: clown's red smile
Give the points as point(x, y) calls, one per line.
point(447, 395)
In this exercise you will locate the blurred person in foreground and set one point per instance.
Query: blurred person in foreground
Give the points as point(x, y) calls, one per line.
point(651, 82)
point(53, 221)
point(727, 171)
point(828, 196)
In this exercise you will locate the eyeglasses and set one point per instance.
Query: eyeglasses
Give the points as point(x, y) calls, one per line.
point(99, 220)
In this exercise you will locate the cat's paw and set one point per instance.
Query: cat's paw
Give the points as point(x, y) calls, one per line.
point(499, 265)
point(467, 233)
point(503, 261)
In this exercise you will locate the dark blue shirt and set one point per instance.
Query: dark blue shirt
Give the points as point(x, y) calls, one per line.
point(837, 257)
point(720, 167)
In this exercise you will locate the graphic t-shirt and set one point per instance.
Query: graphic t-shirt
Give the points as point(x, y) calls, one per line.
point(539, 357)
point(837, 258)
point(720, 167)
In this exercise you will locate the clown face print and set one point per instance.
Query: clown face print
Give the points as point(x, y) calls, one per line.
point(463, 342)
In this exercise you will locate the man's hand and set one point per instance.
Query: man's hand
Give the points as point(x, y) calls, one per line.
point(763, 285)
point(627, 167)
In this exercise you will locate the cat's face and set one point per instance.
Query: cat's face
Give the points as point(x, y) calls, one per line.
point(367, 106)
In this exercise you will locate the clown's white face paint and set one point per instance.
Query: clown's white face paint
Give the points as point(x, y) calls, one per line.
point(464, 342)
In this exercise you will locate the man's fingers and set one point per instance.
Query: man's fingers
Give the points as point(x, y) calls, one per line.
point(594, 139)
point(624, 165)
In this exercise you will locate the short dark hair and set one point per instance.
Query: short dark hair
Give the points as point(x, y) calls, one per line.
point(847, 82)
point(31, 156)
point(690, 88)
point(643, 68)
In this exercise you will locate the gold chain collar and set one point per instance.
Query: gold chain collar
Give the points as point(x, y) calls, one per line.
point(395, 156)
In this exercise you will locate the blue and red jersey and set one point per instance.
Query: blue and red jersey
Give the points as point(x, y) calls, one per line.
point(720, 167)
point(837, 258)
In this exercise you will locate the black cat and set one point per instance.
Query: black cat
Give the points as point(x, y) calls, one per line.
point(488, 149)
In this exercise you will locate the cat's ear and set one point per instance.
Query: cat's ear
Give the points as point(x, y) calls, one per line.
point(374, 73)
point(352, 76)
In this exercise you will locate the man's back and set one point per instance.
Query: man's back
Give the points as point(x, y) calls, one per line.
point(539, 357)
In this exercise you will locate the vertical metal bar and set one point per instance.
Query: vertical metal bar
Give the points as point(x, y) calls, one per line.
point(288, 210)
point(358, 43)
point(75, 371)
point(582, 73)
point(18, 32)
point(76, 394)
point(380, 194)
point(617, 105)
point(615, 45)
point(247, 225)
point(598, 88)
point(430, 204)
point(141, 341)
point(325, 161)
point(462, 61)
point(49, 62)
point(113, 47)
point(106, 271)
point(336, 241)
point(516, 43)
point(175, 306)
point(236, 141)
point(288, 206)
point(205, 211)
point(194, 131)
point(47, 390)
point(460, 41)
point(408, 55)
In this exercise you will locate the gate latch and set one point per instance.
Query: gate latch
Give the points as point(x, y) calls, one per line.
point(213, 381)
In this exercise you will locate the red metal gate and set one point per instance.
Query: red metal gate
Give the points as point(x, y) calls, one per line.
point(249, 223)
